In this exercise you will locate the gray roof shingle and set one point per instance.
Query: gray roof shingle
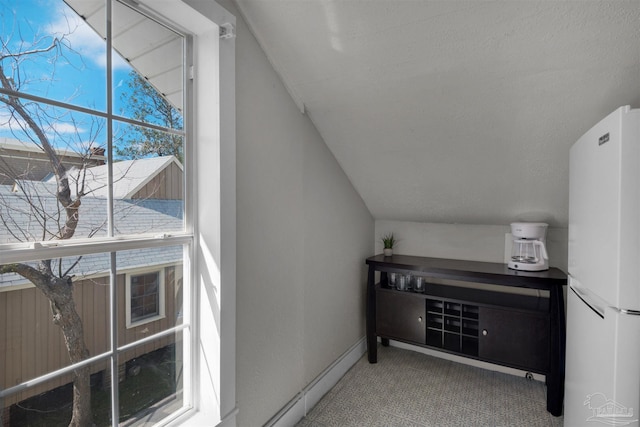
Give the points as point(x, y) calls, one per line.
point(33, 214)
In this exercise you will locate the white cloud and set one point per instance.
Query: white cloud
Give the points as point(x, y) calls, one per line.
point(8, 123)
point(64, 128)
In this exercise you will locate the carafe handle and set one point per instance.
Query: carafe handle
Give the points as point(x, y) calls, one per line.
point(543, 249)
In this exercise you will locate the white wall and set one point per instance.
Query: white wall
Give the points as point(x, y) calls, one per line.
point(463, 241)
point(303, 234)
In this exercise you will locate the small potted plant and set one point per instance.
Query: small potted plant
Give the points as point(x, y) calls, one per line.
point(388, 241)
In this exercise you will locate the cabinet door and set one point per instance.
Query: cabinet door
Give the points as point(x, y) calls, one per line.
point(516, 339)
point(401, 316)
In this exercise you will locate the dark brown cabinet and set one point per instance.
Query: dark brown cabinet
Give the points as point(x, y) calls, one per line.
point(511, 330)
point(401, 317)
point(516, 339)
point(520, 331)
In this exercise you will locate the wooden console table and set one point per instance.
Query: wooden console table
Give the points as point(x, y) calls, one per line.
point(519, 331)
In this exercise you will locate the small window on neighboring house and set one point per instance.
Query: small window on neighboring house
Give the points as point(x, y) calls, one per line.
point(145, 297)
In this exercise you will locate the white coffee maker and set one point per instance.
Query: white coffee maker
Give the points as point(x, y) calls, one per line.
point(528, 250)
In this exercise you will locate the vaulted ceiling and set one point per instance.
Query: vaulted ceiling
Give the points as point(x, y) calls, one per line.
point(454, 111)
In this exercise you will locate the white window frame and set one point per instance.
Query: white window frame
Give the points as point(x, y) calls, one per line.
point(210, 244)
point(213, 198)
point(214, 300)
point(161, 296)
point(180, 15)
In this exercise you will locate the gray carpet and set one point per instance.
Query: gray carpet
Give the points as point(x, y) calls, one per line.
point(406, 388)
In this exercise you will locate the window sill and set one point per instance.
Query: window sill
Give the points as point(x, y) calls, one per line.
point(145, 321)
point(197, 418)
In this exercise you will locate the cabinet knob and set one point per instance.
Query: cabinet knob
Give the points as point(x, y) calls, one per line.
point(485, 332)
point(420, 319)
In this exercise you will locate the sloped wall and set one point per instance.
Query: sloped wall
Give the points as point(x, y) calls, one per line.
point(303, 235)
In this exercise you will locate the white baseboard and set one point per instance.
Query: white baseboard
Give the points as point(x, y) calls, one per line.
point(304, 401)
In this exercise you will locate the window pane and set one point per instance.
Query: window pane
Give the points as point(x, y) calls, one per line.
point(28, 127)
point(29, 183)
point(54, 55)
point(152, 385)
point(51, 403)
point(138, 142)
point(31, 212)
point(148, 186)
point(151, 89)
point(32, 343)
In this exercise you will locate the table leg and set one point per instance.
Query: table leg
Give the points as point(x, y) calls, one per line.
point(372, 342)
point(555, 379)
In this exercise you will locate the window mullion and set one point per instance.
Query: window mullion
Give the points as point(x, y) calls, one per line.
point(109, 95)
point(35, 252)
point(113, 324)
point(113, 306)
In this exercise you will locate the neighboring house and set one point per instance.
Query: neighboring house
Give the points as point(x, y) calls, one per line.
point(25, 160)
point(153, 178)
point(147, 197)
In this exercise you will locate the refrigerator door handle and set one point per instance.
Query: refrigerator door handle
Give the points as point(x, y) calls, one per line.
point(587, 297)
point(594, 302)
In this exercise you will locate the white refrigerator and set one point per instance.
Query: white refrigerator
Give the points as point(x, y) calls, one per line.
point(602, 382)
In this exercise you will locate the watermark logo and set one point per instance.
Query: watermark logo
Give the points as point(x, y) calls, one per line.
point(607, 411)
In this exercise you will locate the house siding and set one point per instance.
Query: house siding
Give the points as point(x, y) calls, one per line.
point(35, 165)
point(166, 185)
point(32, 345)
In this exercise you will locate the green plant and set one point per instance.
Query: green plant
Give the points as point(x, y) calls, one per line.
point(388, 240)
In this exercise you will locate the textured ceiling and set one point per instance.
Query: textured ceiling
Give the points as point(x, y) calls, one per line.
point(453, 111)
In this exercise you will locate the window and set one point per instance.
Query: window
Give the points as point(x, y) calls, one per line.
point(96, 220)
point(145, 297)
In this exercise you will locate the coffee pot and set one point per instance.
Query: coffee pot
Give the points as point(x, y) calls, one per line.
point(528, 250)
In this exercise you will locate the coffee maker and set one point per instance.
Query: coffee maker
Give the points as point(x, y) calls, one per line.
point(528, 250)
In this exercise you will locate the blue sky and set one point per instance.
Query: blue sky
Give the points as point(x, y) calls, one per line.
point(77, 75)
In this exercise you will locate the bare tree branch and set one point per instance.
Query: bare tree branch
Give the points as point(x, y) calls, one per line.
point(9, 54)
point(28, 272)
